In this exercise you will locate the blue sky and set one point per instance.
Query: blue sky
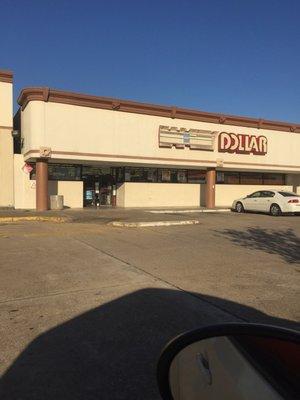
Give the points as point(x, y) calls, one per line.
point(232, 56)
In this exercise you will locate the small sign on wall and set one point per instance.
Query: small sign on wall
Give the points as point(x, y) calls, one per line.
point(180, 138)
point(27, 168)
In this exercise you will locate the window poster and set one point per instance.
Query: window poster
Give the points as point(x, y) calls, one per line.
point(181, 176)
point(220, 177)
point(196, 176)
point(89, 195)
point(151, 175)
point(166, 175)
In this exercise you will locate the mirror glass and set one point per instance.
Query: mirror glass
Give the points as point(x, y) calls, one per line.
point(235, 368)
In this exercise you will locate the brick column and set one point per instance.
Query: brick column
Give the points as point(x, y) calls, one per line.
point(210, 187)
point(41, 184)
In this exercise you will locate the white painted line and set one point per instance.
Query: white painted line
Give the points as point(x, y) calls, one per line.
point(154, 223)
point(189, 211)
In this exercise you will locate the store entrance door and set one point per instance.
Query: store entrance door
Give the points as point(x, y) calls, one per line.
point(104, 188)
point(98, 190)
point(89, 199)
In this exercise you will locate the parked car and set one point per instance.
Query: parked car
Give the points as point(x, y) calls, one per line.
point(275, 202)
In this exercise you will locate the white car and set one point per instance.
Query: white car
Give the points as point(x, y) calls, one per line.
point(275, 202)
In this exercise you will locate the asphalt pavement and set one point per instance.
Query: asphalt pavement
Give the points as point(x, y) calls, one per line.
point(85, 307)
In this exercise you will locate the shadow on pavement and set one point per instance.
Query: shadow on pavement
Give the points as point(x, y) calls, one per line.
point(284, 243)
point(110, 352)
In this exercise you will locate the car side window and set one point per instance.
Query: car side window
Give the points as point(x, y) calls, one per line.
point(255, 194)
point(267, 193)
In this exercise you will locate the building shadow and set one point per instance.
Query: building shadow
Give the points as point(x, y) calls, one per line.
point(110, 352)
point(283, 242)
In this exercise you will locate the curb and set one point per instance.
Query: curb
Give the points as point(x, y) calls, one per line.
point(8, 220)
point(189, 211)
point(153, 223)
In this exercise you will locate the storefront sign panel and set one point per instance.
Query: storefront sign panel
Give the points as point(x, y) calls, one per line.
point(242, 144)
point(194, 139)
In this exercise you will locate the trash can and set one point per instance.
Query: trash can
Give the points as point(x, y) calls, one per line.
point(56, 202)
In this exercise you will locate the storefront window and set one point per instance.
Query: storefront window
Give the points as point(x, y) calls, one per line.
point(150, 175)
point(182, 176)
point(130, 174)
point(164, 175)
point(196, 176)
point(168, 175)
point(94, 171)
point(74, 172)
point(153, 175)
point(120, 174)
point(274, 179)
point(59, 172)
point(220, 177)
point(134, 175)
point(232, 178)
point(251, 178)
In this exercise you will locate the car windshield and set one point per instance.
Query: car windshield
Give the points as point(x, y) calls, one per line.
point(288, 194)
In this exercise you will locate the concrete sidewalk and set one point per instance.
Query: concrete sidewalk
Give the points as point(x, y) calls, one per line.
point(105, 215)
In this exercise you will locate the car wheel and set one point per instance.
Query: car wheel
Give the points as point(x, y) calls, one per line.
point(275, 210)
point(239, 207)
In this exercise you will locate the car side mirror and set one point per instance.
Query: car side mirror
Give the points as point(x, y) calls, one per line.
point(231, 361)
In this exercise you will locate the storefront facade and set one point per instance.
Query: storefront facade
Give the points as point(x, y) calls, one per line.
point(103, 151)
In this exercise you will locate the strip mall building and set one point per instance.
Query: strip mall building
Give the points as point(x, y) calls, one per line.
point(98, 150)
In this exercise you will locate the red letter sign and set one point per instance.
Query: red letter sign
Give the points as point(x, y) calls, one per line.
point(242, 144)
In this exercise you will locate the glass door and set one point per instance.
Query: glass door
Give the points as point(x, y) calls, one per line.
point(105, 190)
point(89, 193)
point(98, 184)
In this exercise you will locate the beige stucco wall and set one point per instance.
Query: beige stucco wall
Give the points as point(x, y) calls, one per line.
point(33, 125)
point(6, 103)
point(121, 195)
point(114, 136)
point(132, 194)
point(25, 193)
point(6, 146)
point(6, 168)
point(72, 192)
point(225, 194)
point(24, 188)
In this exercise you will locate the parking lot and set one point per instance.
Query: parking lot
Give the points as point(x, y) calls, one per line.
point(85, 308)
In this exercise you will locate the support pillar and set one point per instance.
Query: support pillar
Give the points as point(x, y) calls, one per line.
point(114, 196)
point(210, 187)
point(41, 184)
